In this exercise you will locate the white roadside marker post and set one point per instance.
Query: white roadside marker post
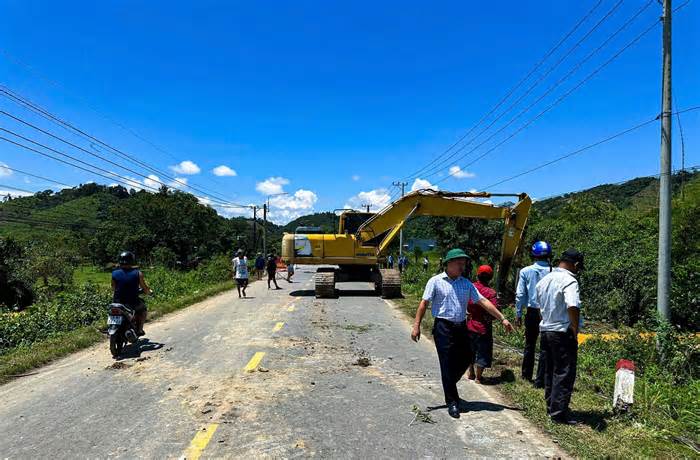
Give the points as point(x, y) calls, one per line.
point(623, 397)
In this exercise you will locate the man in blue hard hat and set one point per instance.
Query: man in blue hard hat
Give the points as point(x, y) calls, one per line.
point(448, 294)
point(526, 296)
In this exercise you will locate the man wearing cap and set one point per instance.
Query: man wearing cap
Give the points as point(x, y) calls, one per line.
point(526, 296)
point(448, 294)
point(558, 296)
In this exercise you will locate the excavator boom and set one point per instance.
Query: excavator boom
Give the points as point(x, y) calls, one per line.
point(387, 223)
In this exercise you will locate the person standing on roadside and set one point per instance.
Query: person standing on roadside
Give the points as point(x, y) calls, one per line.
point(448, 294)
point(558, 296)
point(290, 272)
point(526, 296)
point(259, 266)
point(390, 261)
point(240, 272)
point(426, 263)
point(272, 270)
point(480, 327)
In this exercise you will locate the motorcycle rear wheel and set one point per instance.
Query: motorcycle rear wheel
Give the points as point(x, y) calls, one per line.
point(115, 345)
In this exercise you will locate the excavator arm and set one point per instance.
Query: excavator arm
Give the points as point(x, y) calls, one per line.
point(388, 222)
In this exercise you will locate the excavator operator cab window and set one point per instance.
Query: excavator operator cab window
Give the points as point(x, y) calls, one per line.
point(353, 220)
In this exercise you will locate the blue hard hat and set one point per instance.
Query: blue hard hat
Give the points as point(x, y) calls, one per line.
point(541, 249)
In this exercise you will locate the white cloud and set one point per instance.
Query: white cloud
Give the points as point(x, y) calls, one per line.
point(152, 181)
point(224, 171)
point(186, 167)
point(13, 193)
point(421, 184)
point(4, 172)
point(271, 185)
point(457, 172)
point(377, 198)
point(355, 177)
point(178, 183)
point(301, 199)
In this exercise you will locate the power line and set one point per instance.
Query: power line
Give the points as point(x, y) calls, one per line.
point(18, 99)
point(558, 100)
point(583, 149)
point(36, 177)
point(552, 87)
point(512, 90)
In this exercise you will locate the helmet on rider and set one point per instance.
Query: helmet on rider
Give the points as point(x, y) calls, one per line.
point(541, 250)
point(127, 258)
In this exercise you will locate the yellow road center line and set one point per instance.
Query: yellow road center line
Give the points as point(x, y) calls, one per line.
point(278, 326)
point(290, 308)
point(199, 442)
point(254, 361)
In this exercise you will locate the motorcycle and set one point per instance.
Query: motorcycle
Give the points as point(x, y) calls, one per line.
point(120, 327)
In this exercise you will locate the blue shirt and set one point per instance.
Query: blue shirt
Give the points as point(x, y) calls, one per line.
point(449, 297)
point(127, 282)
point(526, 293)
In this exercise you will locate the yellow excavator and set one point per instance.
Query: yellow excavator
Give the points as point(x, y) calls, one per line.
point(359, 249)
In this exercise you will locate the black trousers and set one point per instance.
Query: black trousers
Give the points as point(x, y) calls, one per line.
point(532, 332)
point(452, 345)
point(560, 371)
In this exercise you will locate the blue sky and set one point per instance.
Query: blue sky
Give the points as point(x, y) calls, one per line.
point(332, 101)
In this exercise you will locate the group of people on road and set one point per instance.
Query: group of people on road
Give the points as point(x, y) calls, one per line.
point(463, 313)
point(262, 264)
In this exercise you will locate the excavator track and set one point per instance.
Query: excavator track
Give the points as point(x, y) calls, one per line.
point(325, 284)
point(390, 283)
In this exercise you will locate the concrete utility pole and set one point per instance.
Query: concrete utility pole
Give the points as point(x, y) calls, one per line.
point(403, 188)
point(265, 206)
point(663, 289)
point(255, 228)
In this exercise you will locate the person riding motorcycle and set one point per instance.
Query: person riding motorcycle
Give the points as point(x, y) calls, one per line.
point(126, 281)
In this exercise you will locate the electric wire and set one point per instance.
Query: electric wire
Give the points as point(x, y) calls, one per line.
point(547, 92)
point(23, 101)
point(512, 90)
point(558, 100)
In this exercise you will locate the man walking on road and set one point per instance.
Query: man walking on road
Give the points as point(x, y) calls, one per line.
point(526, 296)
point(272, 270)
point(558, 296)
point(240, 272)
point(448, 293)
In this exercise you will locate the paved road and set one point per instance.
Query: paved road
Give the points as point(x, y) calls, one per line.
point(187, 393)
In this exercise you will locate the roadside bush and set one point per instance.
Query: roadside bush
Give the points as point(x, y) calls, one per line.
point(85, 305)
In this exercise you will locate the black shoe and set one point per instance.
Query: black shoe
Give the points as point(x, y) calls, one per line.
point(141, 333)
point(564, 421)
point(453, 410)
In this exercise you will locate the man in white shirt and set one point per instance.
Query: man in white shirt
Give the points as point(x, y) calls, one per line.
point(558, 296)
point(526, 296)
point(449, 293)
point(240, 271)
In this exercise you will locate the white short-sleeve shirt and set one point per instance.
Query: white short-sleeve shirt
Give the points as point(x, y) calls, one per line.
point(240, 267)
point(449, 298)
point(556, 292)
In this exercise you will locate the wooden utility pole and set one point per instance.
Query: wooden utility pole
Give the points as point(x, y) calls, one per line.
point(663, 289)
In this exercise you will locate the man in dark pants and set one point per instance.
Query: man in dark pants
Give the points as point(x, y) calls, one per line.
point(448, 293)
point(558, 295)
point(526, 296)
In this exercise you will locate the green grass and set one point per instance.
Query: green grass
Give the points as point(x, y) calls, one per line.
point(656, 427)
point(91, 274)
point(24, 359)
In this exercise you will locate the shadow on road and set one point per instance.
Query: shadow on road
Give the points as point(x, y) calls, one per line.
point(476, 406)
point(135, 350)
point(338, 293)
